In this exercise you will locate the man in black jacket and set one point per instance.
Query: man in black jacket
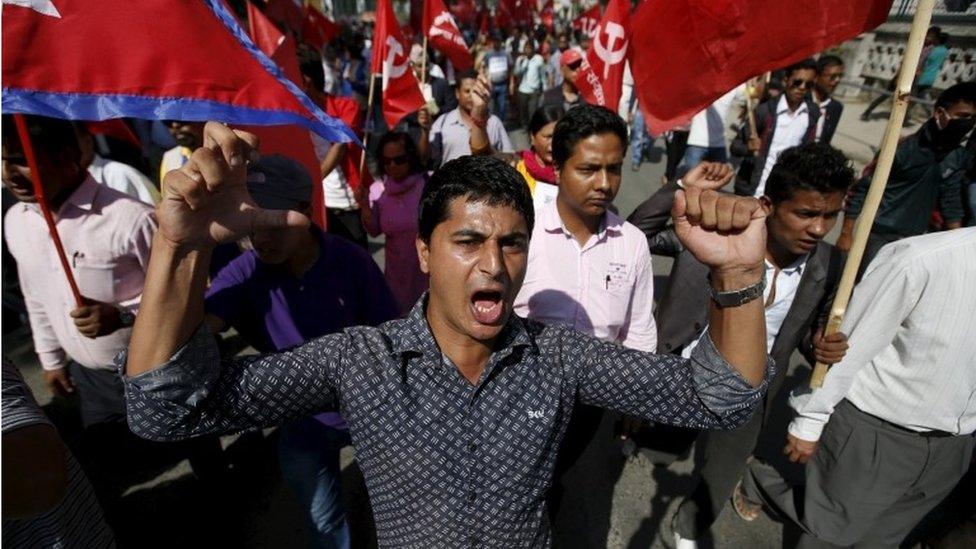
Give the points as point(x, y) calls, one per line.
point(804, 196)
point(830, 71)
point(786, 121)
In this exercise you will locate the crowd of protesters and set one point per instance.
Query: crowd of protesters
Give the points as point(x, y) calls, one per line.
point(546, 338)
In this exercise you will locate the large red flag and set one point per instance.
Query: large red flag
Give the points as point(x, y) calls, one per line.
point(588, 21)
point(607, 57)
point(444, 34)
point(291, 141)
point(317, 29)
point(287, 14)
point(689, 53)
point(391, 59)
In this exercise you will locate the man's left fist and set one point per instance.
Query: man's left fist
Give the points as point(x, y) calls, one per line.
point(96, 319)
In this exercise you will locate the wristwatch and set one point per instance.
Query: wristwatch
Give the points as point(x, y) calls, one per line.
point(126, 318)
point(738, 297)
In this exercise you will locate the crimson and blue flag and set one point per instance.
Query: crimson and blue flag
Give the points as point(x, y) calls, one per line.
point(152, 59)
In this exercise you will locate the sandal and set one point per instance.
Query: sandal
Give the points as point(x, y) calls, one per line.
point(747, 509)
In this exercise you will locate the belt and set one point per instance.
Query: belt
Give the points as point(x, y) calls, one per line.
point(896, 427)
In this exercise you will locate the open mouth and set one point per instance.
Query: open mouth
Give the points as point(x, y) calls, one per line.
point(487, 306)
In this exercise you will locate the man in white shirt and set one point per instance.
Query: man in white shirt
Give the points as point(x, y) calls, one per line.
point(706, 138)
point(781, 123)
point(116, 175)
point(890, 433)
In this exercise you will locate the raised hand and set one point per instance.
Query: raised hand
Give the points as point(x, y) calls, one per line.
point(723, 231)
point(206, 201)
point(480, 98)
point(708, 176)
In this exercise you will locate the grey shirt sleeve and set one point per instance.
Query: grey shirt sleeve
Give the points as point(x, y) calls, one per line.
point(498, 136)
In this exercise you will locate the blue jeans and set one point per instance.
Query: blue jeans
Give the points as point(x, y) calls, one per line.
point(639, 139)
point(499, 101)
point(695, 155)
point(309, 455)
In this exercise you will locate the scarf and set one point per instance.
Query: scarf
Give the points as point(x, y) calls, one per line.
point(538, 171)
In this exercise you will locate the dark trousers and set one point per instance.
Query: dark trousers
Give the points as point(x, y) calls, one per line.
point(675, 149)
point(579, 433)
point(347, 224)
point(527, 104)
point(868, 483)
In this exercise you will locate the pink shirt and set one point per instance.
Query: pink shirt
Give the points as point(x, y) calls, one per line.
point(107, 236)
point(604, 288)
point(394, 206)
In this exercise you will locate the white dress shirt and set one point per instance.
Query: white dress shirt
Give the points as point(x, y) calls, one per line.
point(708, 127)
point(912, 332)
point(125, 179)
point(790, 129)
point(781, 284)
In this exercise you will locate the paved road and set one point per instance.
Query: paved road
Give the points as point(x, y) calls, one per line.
point(612, 501)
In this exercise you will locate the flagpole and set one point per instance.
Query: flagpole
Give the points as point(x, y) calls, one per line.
point(423, 65)
point(889, 145)
point(25, 142)
point(369, 123)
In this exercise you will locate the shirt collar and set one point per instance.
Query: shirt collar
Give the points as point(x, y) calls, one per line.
point(454, 117)
point(783, 107)
point(413, 336)
point(793, 268)
point(84, 195)
point(552, 223)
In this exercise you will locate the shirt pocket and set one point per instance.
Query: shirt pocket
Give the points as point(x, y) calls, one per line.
point(96, 277)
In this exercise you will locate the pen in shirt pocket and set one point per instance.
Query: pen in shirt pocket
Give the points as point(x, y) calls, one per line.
point(607, 285)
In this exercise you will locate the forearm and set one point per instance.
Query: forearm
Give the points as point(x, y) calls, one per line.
point(336, 154)
point(480, 144)
point(423, 146)
point(739, 333)
point(172, 305)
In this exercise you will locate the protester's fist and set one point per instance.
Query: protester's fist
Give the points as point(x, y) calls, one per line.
point(830, 349)
point(754, 144)
point(58, 382)
point(96, 319)
point(206, 201)
point(723, 231)
point(424, 118)
point(480, 98)
point(708, 176)
point(799, 450)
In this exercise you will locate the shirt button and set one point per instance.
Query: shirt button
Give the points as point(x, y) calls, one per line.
point(472, 496)
point(472, 446)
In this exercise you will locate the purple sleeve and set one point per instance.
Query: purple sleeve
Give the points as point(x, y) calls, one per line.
point(226, 294)
point(381, 306)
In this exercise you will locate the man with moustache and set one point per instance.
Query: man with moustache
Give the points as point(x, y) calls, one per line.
point(830, 71)
point(457, 410)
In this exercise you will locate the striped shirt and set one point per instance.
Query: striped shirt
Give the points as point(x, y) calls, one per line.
point(912, 341)
point(77, 520)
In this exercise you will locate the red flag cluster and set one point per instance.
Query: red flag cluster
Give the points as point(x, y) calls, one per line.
point(391, 60)
point(588, 21)
point(445, 35)
point(602, 83)
point(317, 29)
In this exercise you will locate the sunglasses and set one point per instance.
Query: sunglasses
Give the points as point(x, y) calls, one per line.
point(396, 160)
point(575, 65)
point(801, 83)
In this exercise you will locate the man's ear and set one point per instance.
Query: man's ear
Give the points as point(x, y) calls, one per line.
point(423, 253)
point(767, 205)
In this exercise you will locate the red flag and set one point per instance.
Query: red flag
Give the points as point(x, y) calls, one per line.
point(607, 57)
point(547, 14)
point(391, 59)
point(291, 141)
point(287, 14)
point(689, 53)
point(588, 21)
point(464, 11)
point(444, 34)
point(317, 29)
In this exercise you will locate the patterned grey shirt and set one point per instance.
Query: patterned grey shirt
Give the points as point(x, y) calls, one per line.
point(446, 463)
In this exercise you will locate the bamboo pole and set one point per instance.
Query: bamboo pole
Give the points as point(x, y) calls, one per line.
point(889, 144)
point(369, 121)
point(750, 109)
point(25, 143)
point(423, 65)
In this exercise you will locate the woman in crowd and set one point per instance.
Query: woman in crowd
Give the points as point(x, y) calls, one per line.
point(535, 163)
point(393, 206)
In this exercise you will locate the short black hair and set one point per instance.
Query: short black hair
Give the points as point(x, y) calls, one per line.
point(54, 136)
point(805, 64)
point(810, 167)
point(545, 114)
point(477, 179)
point(962, 92)
point(827, 61)
point(469, 74)
point(310, 65)
point(581, 122)
point(409, 147)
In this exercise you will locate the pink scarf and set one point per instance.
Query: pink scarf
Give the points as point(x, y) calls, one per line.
point(538, 171)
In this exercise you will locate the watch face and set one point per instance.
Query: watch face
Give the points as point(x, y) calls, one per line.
point(127, 318)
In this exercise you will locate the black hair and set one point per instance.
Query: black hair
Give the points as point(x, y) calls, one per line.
point(469, 74)
point(827, 61)
point(805, 64)
point(409, 147)
point(54, 136)
point(943, 38)
point(581, 122)
point(810, 167)
point(310, 65)
point(545, 114)
point(476, 179)
point(962, 92)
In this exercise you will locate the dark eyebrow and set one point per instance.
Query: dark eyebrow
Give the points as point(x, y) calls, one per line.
point(514, 238)
point(470, 233)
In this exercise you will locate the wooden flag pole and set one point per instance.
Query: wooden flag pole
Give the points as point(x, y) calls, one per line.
point(25, 143)
point(423, 65)
point(889, 144)
point(750, 109)
point(369, 121)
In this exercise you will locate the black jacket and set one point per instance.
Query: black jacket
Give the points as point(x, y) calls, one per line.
point(682, 310)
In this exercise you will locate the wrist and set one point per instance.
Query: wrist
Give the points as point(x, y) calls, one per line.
point(730, 279)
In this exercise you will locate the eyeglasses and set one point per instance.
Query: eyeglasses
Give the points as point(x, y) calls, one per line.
point(396, 160)
point(801, 83)
point(575, 65)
